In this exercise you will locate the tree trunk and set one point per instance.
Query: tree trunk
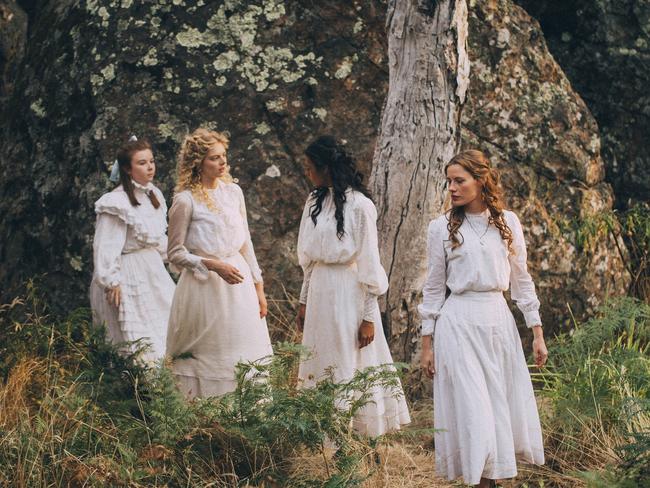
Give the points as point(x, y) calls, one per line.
point(420, 132)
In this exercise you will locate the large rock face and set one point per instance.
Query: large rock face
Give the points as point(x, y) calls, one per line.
point(604, 48)
point(274, 74)
point(13, 31)
point(524, 113)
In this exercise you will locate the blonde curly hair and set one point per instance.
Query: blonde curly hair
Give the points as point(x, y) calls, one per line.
point(478, 165)
point(194, 149)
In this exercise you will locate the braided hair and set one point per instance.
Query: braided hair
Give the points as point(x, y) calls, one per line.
point(327, 154)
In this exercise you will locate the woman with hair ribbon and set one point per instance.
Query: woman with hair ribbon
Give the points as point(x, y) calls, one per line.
point(219, 308)
point(339, 314)
point(131, 291)
point(485, 414)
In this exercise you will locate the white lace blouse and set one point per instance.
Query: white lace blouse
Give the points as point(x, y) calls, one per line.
point(122, 228)
point(196, 231)
point(481, 263)
point(319, 244)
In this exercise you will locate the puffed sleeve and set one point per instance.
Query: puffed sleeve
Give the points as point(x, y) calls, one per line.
point(303, 258)
point(370, 272)
point(522, 288)
point(247, 250)
point(109, 240)
point(435, 286)
point(180, 216)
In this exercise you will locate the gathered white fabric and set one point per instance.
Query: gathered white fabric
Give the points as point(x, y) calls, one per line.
point(213, 325)
point(210, 233)
point(358, 245)
point(342, 280)
point(476, 267)
point(129, 247)
point(484, 406)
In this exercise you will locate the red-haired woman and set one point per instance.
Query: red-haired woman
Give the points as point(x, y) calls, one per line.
point(131, 291)
point(484, 406)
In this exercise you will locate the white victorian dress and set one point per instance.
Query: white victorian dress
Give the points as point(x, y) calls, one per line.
point(342, 280)
point(213, 325)
point(129, 249)
point(484, 406)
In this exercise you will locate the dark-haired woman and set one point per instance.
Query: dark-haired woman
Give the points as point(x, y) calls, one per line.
point(485, 413)
point(131, 291)
point(339, 314)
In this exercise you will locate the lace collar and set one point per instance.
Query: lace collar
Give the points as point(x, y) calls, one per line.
point(144, 188)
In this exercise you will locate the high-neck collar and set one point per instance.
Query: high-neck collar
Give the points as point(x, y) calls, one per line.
point(484, 213)
point(145, 188)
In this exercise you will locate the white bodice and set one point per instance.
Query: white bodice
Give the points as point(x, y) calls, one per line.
point(197, 231)
point(481, 264)
point(122, 228)
point(319, 244)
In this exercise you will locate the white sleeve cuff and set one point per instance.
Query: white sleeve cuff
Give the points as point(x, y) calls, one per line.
point(371, 308)
point(200, 270)
point(427, 326)
point(532, 318)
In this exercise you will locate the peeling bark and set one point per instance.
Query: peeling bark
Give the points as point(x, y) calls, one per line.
point(420, 132)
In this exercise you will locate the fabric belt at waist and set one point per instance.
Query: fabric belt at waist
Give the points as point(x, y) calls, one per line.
point(478, 294)
point(140, 249)
point(213, 256)
point(349, 264)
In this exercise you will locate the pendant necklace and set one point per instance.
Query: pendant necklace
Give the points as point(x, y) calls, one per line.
point(480, 237)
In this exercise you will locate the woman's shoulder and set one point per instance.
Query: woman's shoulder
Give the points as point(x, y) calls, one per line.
point(157, 190)
point(231, 185)
point(232, 188)
point(439, 223)
point(511, 218)
point(112, 200)
point(183, 197)
point(361, 201)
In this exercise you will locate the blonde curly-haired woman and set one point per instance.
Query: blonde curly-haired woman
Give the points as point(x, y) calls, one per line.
point(484, 407)
point(218, 312)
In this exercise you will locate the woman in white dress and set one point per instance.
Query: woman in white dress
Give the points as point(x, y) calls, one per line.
point(339, 314)
point(219, 308)
point(131, 291)
point(484, 406)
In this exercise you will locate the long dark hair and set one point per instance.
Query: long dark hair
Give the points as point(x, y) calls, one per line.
point(124, 156)
point(326, 154)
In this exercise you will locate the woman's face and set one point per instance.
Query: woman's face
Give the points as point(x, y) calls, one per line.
point(316, 178)
point(462, 186)
point(143, 167)
point(215, 163)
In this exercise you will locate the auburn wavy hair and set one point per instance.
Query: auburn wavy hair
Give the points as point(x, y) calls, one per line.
point(194, 149)
point(478, 165)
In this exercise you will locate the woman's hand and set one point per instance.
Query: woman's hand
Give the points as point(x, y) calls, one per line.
point(540, 353)
point(366, 333)
point(426, 358)
point(228, 272)
point(300, 318)
point(261, 298)
point(114, 296)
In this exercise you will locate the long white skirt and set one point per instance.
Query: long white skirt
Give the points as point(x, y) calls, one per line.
point(146, 297)
point(334, 313)
point(484, 404)
point(217, 324)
